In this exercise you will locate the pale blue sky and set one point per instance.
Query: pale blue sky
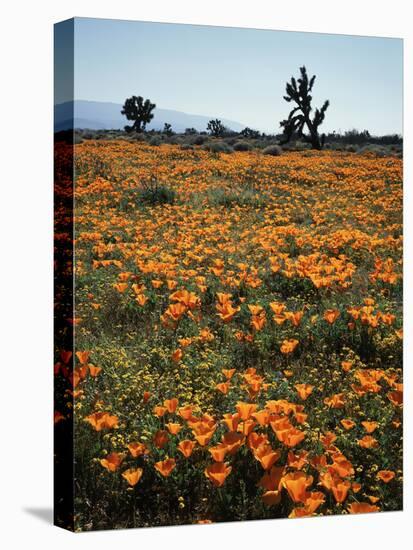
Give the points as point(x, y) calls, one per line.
point(240, 74)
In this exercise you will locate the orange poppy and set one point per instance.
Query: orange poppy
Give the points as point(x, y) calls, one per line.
point(218, 452)
point(288, 346)
point(83, 356)
point(331, 315)
point(137, 449)
point(296, 484)
point(102, 420)
point(368, 442)
point(369, 426)
point(217, 473)
point(340, 489)
point(173, 428)
point(228, 373)
point(165, 467)
point(266, 456)
point(347, 424)
point(112, 461)
point(132, 476)
point(160, 439)
point(362, 508)
point(94, 371)
point(171, 404)
point(186, 447)
point(385, 475)
point(304, 390)
point(245, 410)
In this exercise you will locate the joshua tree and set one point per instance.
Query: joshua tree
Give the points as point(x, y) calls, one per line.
point(249, 133)
point(216, 127)
point(298, 91)
point(167, 129)
point(138, 110)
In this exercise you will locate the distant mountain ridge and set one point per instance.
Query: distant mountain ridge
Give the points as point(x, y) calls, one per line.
point(96, 115)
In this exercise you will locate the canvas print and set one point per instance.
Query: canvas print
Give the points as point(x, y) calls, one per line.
point(228, 274)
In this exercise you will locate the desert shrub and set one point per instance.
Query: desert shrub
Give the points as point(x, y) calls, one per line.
point(186, 147)
point(273, 150)
point(155, 141)
point(218, 147)
point(242, 146)
point(153, 192)
point(199, 140)
point(378, 150)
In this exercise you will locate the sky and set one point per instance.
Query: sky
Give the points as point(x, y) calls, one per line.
point(240, 74)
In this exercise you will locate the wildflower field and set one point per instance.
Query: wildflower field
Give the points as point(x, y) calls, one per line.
point(238, 335)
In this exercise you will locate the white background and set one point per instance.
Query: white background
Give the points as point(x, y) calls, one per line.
point(26, 271)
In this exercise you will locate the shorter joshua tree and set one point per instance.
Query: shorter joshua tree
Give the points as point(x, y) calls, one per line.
point(138, 110)
point(298, 91)
point(216, 128)
point(249, 133)
point(167, 129)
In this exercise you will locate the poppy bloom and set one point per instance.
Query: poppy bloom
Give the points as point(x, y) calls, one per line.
point(217, 473)
point(347, 424)
point(132, 476)
point(218, 452)
point(304, 390)
point(177, 355)
point(245, 410)
point(83, 356)
point(369, 426)
point(340, 489)
point(346, 365)
point(336, 401)
point(112, 461)
point(186, 447)
point(385, 475)
point(94, 371)
point(223, 387)
point(159, 411)
point(173, 428)
point(296, 484)
point(288, 346)
point(233, 441)
point(362, 508)
point(228, 373)
point(65, 356)
point(266, 456)
point(368, 442)
point(331, 315)
point(165, 467)
point(160, 439)
point(137, 449)
point(102, 420)
point(171, 404)
point(185, 412)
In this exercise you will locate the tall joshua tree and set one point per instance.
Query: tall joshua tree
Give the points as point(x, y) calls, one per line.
point(138, 110)
point(216, 128)
point(298, 91)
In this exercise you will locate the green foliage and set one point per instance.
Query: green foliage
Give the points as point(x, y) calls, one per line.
point(273, 150)
point(242, 146)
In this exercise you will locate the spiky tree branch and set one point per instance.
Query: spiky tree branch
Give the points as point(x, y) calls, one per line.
point(298, 91)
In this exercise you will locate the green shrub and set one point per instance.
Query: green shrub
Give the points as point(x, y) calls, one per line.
point(153, 192)
point(155, 141)
point(242, 146)
point(273, 150)
point(218, 147)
